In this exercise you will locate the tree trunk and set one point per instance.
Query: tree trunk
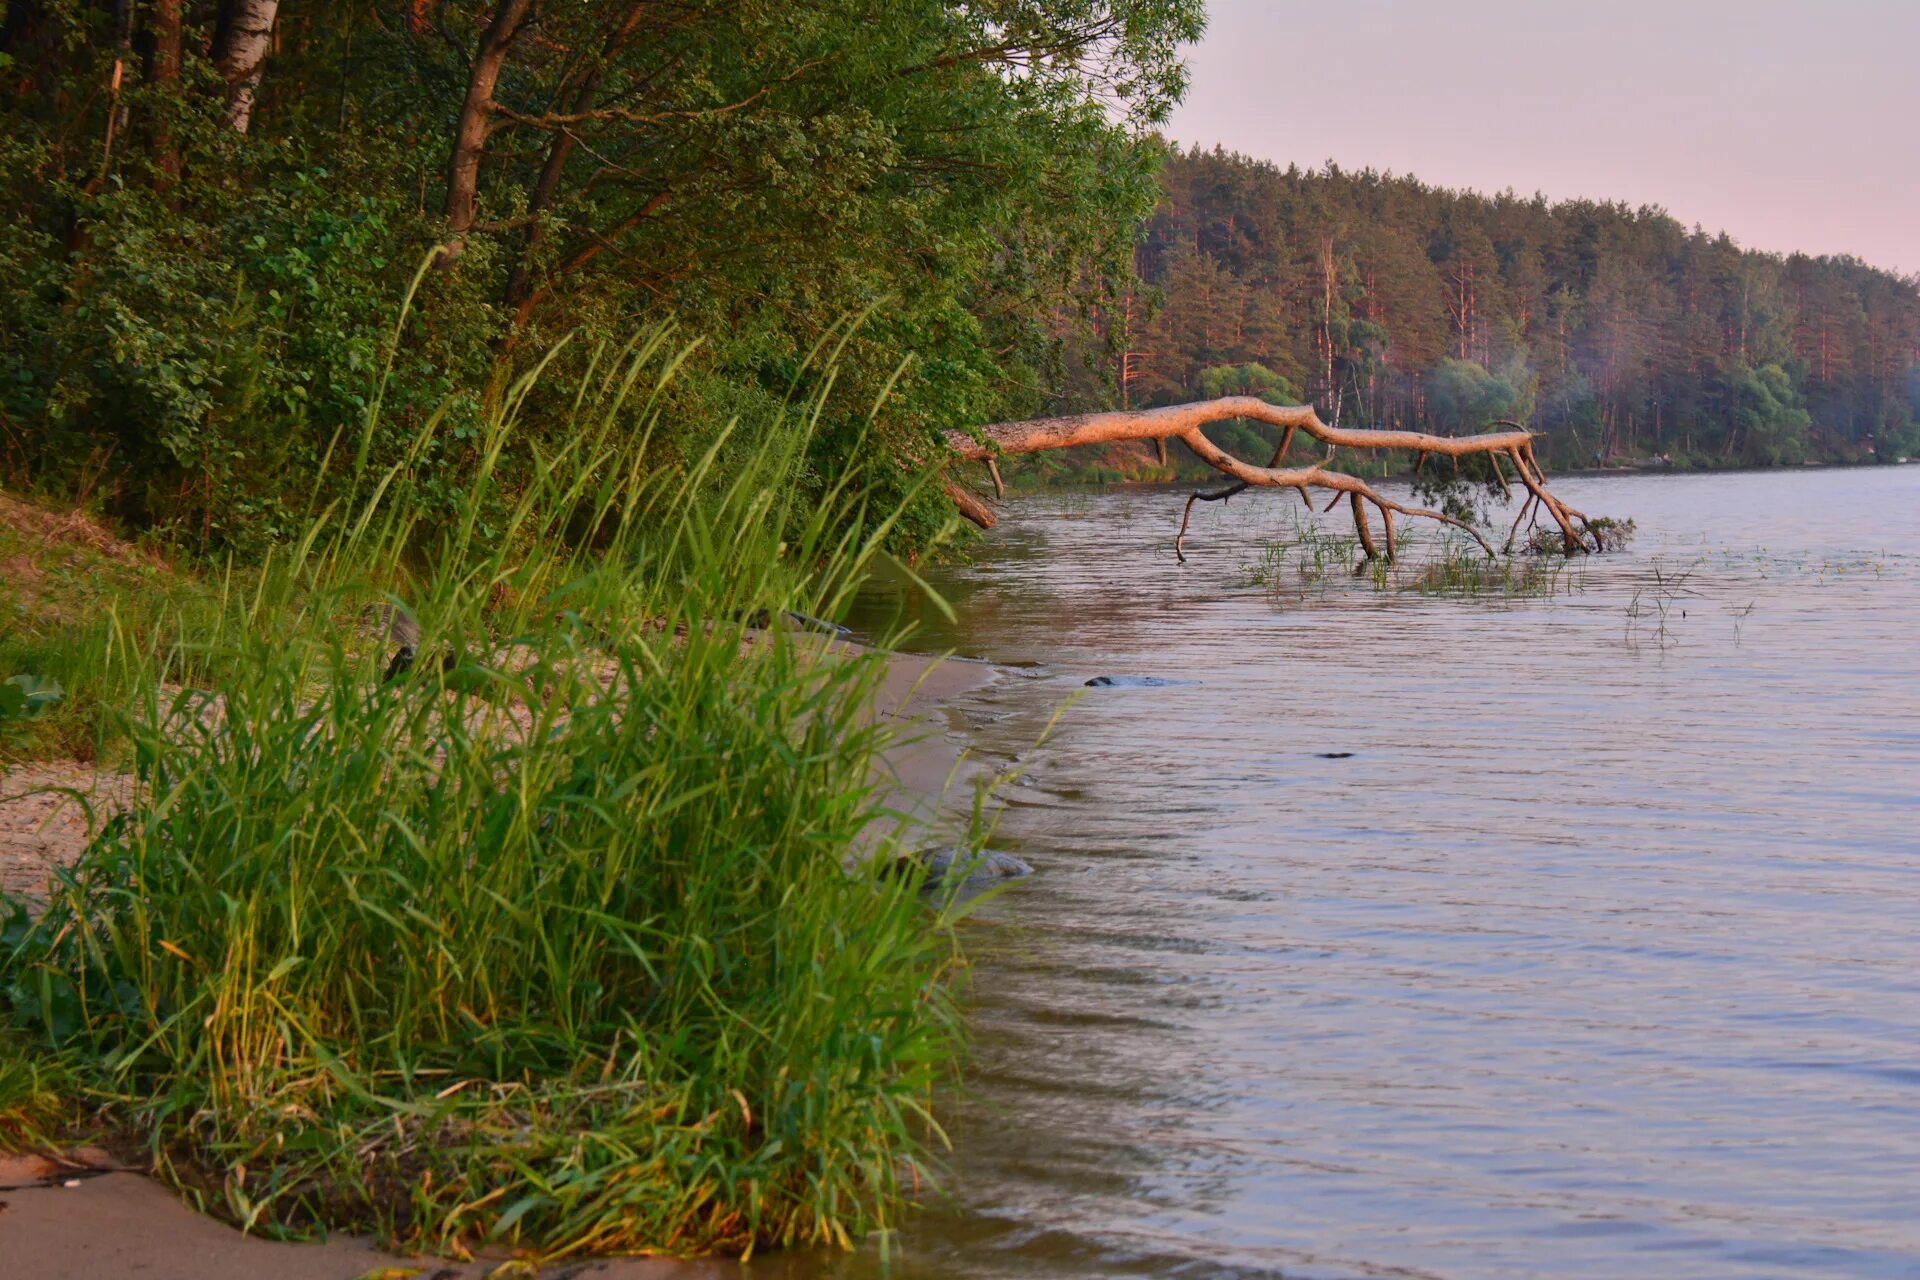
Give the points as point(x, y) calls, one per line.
point(240, 51)
point(470, 134)
point(166, 74)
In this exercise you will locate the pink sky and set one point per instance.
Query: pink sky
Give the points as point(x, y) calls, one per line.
point(1792, 126)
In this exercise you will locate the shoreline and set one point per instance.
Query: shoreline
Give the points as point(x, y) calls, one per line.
point(95, 1218)
point(1016, 489)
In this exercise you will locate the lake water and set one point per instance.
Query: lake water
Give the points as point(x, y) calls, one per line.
point(1595, 953)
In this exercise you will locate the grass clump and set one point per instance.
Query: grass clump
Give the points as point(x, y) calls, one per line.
point(549, 947)
point(1462, 569)
point(1303, 558)
point(37, 1107)
point(1310, 559)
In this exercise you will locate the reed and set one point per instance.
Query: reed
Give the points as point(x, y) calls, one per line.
point(551, 945)
point(1309, 560)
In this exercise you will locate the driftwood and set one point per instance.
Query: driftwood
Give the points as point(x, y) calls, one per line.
point(1183, 422)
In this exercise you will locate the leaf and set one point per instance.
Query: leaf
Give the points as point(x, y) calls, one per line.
point(32, 692)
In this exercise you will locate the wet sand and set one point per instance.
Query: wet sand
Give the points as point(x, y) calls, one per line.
point(80, 1226)
point(80, 1223)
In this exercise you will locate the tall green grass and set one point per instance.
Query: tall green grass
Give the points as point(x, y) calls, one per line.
point(552, 945)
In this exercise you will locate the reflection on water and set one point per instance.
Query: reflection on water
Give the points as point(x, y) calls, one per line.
point(1597, 957)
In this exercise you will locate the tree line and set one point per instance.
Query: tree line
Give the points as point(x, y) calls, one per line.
point(1620, 333)
point(216, 206)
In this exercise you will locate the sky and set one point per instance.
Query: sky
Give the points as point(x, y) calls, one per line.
point(1792, 126)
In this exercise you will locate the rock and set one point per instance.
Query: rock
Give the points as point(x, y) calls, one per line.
point(390, 622)
point(981, 868)
point(1135, 682)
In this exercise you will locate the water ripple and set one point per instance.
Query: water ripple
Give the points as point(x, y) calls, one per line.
point(1596, 957)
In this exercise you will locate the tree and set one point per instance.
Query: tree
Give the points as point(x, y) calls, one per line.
point(203, 270)
point(1185, 423)
point(1463, 396)
point(1769, 426)
point(241, 43)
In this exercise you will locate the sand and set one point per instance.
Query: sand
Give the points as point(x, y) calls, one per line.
point(87, 1220)
point(43, 822)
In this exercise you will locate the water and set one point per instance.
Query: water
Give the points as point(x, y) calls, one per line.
point(1599, 956)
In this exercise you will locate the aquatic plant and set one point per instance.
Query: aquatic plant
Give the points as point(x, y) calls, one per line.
point(1651, 612)
point(1609, 534)
point(1456, 571)
point(1308, 557)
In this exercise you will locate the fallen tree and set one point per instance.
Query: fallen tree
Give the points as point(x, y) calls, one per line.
point(1183, 422)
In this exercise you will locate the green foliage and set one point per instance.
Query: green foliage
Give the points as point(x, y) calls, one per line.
point(1622, 335)
point(1246, 380)
point(21, 698)
point(1464, 397)
point(206, 366)
point(1608, 534)
point(1764, 409)
point(553, 944)
point(193, 316)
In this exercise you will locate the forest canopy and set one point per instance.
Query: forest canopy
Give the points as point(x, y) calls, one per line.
point(215, 209)
point(1620, 333)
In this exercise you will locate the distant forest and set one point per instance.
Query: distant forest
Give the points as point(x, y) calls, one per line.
point(1622, 334)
